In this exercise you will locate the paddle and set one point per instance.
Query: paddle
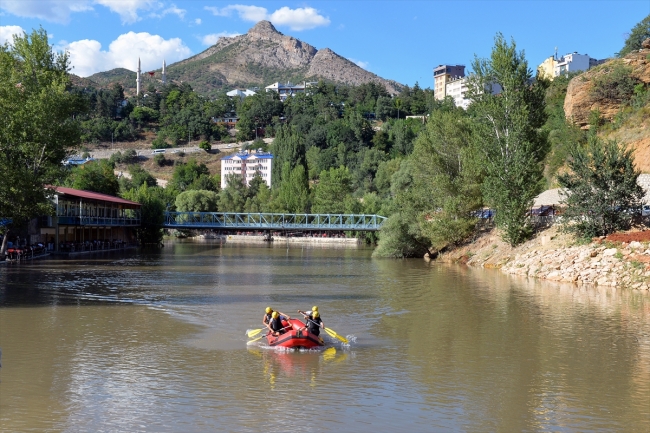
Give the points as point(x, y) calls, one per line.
point(253, 332)
point(258, 338)
point(262, 336)
point(328, 330)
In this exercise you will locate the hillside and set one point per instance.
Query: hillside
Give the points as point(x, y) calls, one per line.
point(256, 59)
point(619, 91)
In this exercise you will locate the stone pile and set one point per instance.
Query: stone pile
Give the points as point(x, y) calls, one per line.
point(624, 265)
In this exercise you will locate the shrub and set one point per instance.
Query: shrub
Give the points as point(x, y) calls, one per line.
point(160, 160)
point(615, 84)
point(205, 146)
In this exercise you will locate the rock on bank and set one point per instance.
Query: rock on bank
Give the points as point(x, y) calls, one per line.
point(553, 256)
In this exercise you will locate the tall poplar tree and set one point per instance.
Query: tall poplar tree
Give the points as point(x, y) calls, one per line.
point(508, 135)
point(38, 128)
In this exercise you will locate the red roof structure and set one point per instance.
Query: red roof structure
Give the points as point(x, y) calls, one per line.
point(93, 196)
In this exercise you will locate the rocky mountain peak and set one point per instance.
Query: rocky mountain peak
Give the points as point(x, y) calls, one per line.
point(264, 30)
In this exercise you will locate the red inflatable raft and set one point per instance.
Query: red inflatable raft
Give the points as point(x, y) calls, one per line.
point(295, 336)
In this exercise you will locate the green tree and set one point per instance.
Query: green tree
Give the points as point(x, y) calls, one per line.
point(639, 33)
point(139, 176)
point(288, 147)
point(152, 213)
point(185, 174)
point(38, 128)
point(602, 189)
point(293, 192)
point(332, 190)
point(97, 176)
point(232, 198)
point(508, 135)
point(197, 201)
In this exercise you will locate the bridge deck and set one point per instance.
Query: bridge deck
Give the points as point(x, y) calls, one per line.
point(273, 221)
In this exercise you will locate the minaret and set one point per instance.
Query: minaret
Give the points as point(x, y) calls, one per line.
point(138, 80)
point(164, 76)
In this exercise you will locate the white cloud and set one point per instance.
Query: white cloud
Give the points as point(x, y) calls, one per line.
point(88, 58)
point(197, 21)
point(296, 19)
point(128, 9)
point(359, 63)
point(7, 33)
point(212, 38)
point(172, 9)
point(57, 11)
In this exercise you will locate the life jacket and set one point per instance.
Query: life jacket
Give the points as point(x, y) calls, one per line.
point(312, 324)
point(276, 325)
point(268, 318)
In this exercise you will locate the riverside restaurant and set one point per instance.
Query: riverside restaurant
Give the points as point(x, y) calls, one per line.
point(87, 221)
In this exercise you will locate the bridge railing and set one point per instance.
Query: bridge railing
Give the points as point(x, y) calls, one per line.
point(273, 221)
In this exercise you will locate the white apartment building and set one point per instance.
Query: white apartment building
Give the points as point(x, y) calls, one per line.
point(554, 67)
point(288, 89)
point(573, 62)
point(245, 165)
point(458, 89)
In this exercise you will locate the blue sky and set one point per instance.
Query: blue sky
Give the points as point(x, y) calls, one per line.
point(400, 40)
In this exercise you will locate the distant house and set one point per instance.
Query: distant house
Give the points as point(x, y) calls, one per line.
point(246, 165)
point(241, 93)
point(229, 120)
point(288, 89)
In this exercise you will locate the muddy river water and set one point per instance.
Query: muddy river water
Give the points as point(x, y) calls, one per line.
point(155, 342)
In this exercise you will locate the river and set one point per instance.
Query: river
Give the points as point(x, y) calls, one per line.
point(155, 342)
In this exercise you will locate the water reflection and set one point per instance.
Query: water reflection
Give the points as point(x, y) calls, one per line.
point(155, 342)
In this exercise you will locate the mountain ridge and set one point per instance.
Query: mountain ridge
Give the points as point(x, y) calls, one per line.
point(257, 58)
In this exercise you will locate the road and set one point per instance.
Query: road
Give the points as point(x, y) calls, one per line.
point(147, 152)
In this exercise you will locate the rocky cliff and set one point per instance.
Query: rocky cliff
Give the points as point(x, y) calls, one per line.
point(627, 125)
point(580, 101)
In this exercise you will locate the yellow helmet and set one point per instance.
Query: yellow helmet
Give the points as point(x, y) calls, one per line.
point(315, 314)
point(269, 310)
point(314, 308)
point(275, 315)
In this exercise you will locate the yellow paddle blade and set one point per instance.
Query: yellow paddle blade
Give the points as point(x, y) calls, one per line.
point(258, 338)
point(254, 332)
point(335, 335)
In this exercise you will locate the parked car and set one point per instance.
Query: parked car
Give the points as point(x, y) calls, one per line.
point(645, 210)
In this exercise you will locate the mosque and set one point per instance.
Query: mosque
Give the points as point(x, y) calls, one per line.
point(138, 80)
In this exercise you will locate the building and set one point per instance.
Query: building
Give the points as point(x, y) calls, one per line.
point(229, 120)
point(288, 89)
point(241, 93)
point(547, 68)
point(246, 165)
point(83, 220)
point(457, 88)
point(554, 67)
point(442, 74)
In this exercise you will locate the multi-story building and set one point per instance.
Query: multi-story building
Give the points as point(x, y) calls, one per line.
point(288, 89)
point(442, 74)
point(245, 165)
point(554, 67)
point(458, 88)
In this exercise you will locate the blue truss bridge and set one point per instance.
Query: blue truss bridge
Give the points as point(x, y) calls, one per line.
point(273, 221)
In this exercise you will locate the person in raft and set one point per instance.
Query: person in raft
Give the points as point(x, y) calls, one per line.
point(267, 316)
point(314, 321)
point(275, 324)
